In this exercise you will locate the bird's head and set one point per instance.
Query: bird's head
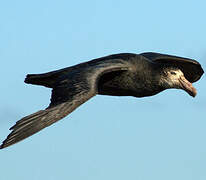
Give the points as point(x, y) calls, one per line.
point(174, 78)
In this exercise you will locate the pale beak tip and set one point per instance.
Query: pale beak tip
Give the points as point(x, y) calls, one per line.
point(187, 86)
point(194, 93)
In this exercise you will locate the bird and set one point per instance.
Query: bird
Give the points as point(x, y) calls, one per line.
point(124, 74)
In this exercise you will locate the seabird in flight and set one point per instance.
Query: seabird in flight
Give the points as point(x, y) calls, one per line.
point(125, 74)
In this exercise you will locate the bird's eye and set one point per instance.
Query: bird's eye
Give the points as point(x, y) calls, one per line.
point(173, 73)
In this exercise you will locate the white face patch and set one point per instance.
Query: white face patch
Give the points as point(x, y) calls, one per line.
point(171, 77)
point(174, 78)
point(174, 75)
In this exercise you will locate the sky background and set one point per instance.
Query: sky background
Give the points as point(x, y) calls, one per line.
point(160, 137)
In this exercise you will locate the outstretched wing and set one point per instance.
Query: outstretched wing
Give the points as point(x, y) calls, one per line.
point(71, 91)
point(191, 68)
point(33, 123)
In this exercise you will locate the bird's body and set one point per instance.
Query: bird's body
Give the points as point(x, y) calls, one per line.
point(126, 74)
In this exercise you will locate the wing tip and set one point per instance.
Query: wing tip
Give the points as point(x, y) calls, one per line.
point(3, 145)
point(7, 142)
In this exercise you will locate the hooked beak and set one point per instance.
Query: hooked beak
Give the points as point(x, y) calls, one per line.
point(187, 86)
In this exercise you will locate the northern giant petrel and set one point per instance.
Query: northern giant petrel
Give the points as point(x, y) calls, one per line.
point(125, 74)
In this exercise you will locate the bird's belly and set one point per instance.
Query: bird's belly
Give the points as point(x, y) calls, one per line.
point(114, 91)
point(113, 88)
point(125, 84)
point(124, 89)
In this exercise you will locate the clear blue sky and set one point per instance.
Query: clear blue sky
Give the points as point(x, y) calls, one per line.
point(159, 138)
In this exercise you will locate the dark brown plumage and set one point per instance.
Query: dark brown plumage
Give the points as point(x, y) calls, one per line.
point(124, 74)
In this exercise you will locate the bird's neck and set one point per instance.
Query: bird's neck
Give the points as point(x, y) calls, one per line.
point(152, 80)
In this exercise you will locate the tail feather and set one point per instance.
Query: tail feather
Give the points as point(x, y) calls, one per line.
point(40, 79)
point(46, 79)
